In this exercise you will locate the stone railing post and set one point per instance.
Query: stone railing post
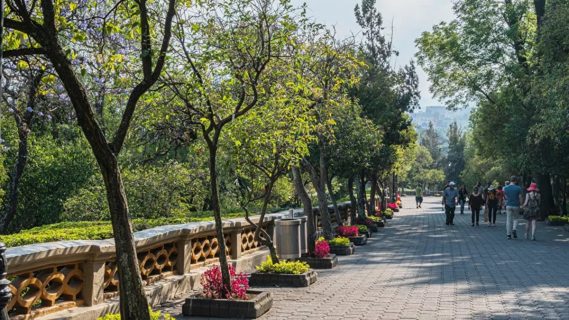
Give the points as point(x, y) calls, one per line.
point(184, 249)
point(235, 235)
point(94, 277)
point(5, 293)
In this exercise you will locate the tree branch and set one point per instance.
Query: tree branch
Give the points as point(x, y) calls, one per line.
point(23, 52)
point(149, 80)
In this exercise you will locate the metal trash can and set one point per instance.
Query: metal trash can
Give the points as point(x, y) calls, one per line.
point(287, 238)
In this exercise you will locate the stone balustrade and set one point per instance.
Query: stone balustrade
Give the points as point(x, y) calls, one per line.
point(50, 277)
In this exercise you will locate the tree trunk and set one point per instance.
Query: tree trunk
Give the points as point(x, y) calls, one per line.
point(212, 146)
point(353, 201)
point(547, 204)
point(260, 234)
point(322, 201)
point(361, 195)
point(133, 304)
point(334, 202)
point(564, 207)
point(306, 206)
point(19, 166)
point(372, 193)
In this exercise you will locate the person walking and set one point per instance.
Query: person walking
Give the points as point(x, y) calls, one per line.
point(418, 196)
point(492, 204)
point(531, 209)
point(450, 197)
point(513, 196)
point(462, 197)
point(500, 195)
point(475, 202)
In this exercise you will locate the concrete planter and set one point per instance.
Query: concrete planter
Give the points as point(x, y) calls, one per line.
point(327, 262)
point(262, 279)
point(343, 250)
point(359, 240)
point(373, 228)
point(259, 303)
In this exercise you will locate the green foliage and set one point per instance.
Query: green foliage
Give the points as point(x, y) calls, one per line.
point(362, 228)
point(340, 241)
point(285, 267)
point(153, 191)
point(374, 218)
point(564, 219)
point(154, 315)
point(54, 171)
point(388, 213)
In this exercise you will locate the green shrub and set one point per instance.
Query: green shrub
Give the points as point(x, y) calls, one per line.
point(286, 267)
point(558, 219)
point(388, 212)
point(362, 228)
point(374, 218)
point(340, 241)
point(154, 315)
point(152, 192)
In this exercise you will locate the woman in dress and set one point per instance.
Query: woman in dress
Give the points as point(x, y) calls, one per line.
point(531, 209)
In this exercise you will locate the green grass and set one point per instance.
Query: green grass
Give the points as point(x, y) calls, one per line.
point(97, 230)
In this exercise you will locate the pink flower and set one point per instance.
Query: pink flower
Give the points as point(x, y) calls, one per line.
point(321, 248)
point(212, 284)
point(347, 231)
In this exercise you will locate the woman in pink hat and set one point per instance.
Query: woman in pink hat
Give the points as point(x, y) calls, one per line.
point(531, 209)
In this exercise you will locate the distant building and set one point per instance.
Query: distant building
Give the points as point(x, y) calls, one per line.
point(441, 119)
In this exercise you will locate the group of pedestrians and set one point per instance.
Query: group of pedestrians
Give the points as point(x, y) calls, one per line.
point(492, 201)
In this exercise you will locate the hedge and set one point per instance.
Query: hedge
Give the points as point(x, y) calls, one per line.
point(95, 230)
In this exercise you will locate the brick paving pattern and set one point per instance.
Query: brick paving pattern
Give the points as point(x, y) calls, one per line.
point(419, 268)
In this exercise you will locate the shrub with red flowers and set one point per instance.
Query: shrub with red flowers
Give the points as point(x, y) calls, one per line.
point(392, 205)
point(347, 231)
point(213, 285)
point(321, 248)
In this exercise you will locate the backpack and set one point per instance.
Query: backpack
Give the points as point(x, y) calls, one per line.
point(533, 203)
point(491, 195)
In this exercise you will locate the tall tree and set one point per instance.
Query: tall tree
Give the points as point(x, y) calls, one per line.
point(223, 72)
point(455, 161)
point(49, 26)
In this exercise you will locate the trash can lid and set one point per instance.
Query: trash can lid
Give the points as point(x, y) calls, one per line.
point(287, 222)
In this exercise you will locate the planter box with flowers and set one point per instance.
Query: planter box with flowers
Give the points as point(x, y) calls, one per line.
point(283, 274)
point(363, 230)
point(369, 222)
point(393, 206)
point(239, 302)
point(352, 233)
point(341, 246)
point(322, 258)
point(388, 213)
point(557, 220)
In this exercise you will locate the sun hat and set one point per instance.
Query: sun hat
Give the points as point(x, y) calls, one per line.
point(452, 184)
point(533, 187)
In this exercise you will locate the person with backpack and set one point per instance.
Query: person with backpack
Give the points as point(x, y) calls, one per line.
point(492, 204)
point(475, 202)
point(531, 209)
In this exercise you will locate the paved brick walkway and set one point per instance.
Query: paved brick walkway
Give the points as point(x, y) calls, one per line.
point(418, 268)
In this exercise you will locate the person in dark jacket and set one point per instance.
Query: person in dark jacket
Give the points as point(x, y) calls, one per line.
point(462, 198)
point(475, 202)
point(492, 205)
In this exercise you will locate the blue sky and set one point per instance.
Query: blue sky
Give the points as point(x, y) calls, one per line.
point(409, 17)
